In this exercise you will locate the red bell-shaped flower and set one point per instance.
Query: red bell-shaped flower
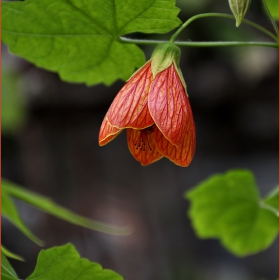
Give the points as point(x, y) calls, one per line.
point(154, 108)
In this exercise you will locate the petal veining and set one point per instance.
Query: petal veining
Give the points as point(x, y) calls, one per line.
point(107, 132)
point(181, 155)
point(141, 144)
point(169, 105)
point(130, 106)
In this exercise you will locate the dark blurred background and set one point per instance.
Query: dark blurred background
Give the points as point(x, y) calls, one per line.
point(50, 146)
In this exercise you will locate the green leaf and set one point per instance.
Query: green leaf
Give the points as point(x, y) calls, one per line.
point(273, 6)
point(9, 211)
point(64, 262)
point(48, 206)
point(7, 271)
point(227, 206)
point(11, 255)
point(80, 39)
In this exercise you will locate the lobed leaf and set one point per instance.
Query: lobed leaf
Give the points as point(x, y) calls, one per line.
point(79, 39)
point(64, 262)
point(228, 207)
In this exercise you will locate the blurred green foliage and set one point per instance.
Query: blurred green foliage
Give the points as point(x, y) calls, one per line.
point(228, 207)
point(272, 199)
point(10, 212)
point(13, 107)
point(12, 190)
point(273, 6)
point(11, 255)
point(7, 271)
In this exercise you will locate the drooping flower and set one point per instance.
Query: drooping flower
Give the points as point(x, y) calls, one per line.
point(154, 108)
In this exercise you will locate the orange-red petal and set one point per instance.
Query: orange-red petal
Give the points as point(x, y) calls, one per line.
point(130, 106)
point(107, 132)
point(181, 155)
point(147, 153)
point(169, 106)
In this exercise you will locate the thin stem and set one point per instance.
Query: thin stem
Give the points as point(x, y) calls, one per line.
point(264, 30)
point(255, 25)
point(199, 44)
point(270, 17)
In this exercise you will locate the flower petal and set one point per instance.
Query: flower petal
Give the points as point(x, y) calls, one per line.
point(107, 132)
point(142, 146)
point(181, 155)
point(169, 105)
point(130, 106)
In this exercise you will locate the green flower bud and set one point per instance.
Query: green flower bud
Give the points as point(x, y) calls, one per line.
point(239, 9)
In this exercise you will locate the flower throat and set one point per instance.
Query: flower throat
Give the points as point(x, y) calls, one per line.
point(144, 137)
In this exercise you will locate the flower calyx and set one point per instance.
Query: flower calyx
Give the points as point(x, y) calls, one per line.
point(163, 56)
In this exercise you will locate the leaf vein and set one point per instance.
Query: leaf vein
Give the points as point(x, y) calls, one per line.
point(52, 264)
point(55, 35)
point(89, 17)
point(120, 31)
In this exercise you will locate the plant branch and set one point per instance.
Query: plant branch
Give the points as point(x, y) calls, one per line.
point(199, 44)
point(255, 25)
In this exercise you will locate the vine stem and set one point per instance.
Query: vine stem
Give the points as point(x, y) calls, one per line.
point(255, 25)
point(209, 44)
point(199, 44)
